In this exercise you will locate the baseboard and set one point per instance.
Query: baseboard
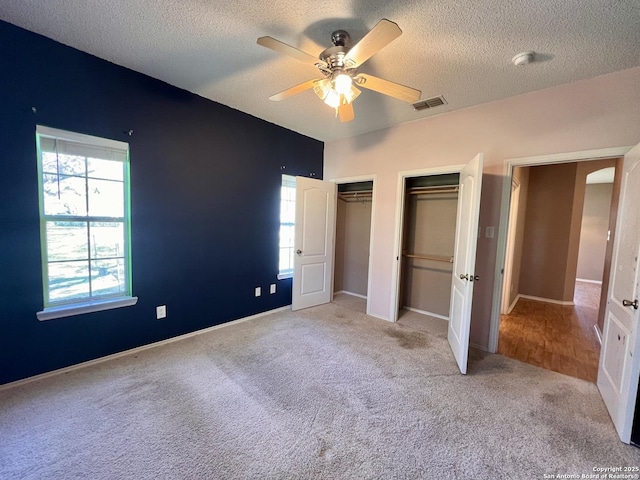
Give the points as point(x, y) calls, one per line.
point(350, 293)
point(131, 351)
point(546, 300)
point(513, 305)
point(598, 334)
point(584, 280)
point(379, 317)
point(424, 312)
point(479, 347)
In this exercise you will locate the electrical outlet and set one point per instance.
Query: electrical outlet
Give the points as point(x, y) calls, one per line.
point(258, 291)
point(489, 232)
point(272, 288)
point(161, 312)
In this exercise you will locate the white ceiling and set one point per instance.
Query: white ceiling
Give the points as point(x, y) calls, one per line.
point(455, 48)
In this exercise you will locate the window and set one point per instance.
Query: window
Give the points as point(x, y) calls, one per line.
point(287, 225)
point(84, 223)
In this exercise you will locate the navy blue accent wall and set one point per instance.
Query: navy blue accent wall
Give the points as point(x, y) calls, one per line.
point(205, 192)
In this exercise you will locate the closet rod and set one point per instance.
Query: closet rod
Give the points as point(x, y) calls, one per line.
point(437, 258)
point(361, 199)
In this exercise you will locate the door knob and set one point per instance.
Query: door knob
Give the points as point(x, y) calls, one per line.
point(299, 252)
point(629, 303)
point(464, 276)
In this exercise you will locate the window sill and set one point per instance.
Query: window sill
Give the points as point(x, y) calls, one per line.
point(88, 307)
point(282, 276)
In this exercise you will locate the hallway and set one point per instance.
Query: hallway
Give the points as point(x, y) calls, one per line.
point(555, 337)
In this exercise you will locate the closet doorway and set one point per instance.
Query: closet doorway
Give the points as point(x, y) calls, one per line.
point(428, 235)
point(354, 216)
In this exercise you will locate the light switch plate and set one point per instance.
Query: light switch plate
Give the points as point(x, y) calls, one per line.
point(489, 232)
point(272, 288)
point(161, 312)
point(258, 291)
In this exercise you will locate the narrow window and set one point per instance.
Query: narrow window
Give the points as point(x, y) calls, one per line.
point(84, 222)
point(287, 225)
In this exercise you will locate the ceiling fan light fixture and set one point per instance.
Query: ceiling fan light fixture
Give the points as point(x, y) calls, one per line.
point(351, 95)
point(342, 83)
point(332, 98)
point(329, 95)
point(339, 65)
point(321, 88)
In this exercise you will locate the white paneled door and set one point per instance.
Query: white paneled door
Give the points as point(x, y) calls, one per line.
point(464, 260)
point(314, 237)
point(619, 363)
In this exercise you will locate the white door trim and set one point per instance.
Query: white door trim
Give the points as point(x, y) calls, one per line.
point(507, 280)
point(509, 164)
point(395, 275)
point(361, 178)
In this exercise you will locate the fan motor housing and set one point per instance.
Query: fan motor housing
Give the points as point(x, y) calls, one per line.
point(340, 38)
point(334, 56)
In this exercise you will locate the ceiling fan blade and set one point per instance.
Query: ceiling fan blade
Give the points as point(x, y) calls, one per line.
point(345, 111)
point(401, 92)
point(380, 36)
point(285, 49)
point(293, 90)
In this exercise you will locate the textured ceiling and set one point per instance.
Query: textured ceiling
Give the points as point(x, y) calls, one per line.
point(455, 48)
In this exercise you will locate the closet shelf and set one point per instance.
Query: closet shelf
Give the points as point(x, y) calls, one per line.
point(359, 195)
point(434, 189)
point(437, 258)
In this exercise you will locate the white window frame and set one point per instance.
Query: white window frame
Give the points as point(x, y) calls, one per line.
point(287, 197)
point(87, 304)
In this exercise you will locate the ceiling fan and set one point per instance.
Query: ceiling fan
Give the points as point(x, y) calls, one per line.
point(339, 65)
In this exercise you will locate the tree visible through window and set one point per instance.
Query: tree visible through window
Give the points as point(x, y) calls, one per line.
point(84, 196)
point(287, 225)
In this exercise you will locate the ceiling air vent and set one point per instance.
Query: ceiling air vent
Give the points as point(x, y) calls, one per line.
point(430, 103)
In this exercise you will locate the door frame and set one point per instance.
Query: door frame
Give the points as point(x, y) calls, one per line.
point(399, 226)
point(360, 178)
point(507, 279)
point(505, 204)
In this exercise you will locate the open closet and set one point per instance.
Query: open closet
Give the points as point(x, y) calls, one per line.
point(353, 235)
point(428, 241)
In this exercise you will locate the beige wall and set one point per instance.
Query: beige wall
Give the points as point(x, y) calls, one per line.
point(613, 219)
point(596, 113)
point(593, 232)
point(338, 267)
point(353, 230)
point(430, 230)
point(547, 231)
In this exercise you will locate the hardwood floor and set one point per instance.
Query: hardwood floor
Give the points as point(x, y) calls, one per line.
point(555, 337)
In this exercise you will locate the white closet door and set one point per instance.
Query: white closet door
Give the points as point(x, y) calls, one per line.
point(314, 237)
point(619, 365)
point(464, 260)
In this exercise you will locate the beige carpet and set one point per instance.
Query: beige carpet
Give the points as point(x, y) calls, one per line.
point(323, 393)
